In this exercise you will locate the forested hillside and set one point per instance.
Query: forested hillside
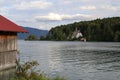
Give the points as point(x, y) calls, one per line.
point(107, 29)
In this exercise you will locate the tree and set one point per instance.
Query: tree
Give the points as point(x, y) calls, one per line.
point(42, 38)
point(31, 37)
point(106, 29)
point(117, 36)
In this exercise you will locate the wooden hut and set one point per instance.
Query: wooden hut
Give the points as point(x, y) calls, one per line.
point(8, 42)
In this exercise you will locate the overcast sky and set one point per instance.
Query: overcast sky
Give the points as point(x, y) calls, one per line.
point(45, 14)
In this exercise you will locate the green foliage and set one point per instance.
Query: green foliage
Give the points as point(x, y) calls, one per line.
point(27, 71)
point(31, 37)
point(117, 36)
point(58, 78)
point(42, 38)
point(107, 29)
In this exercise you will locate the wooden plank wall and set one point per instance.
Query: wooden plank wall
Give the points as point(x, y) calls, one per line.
point(8, 50)
point(7, 74)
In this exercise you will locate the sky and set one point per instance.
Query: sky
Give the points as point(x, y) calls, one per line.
point(46, 14)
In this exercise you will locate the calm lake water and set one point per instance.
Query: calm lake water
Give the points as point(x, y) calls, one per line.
point(74, 60)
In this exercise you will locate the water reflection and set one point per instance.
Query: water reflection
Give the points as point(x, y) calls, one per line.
point(85, 58)
point(76, 60)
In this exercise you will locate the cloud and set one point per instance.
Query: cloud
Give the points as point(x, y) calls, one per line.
point(37, 12)
point(108, 7)
point(60, 17)
point(67, 2)
point(4, 10)
point(103, 7)
point(88, 8)
point(33, 5)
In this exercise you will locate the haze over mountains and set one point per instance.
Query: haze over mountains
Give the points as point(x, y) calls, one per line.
point(32, 31)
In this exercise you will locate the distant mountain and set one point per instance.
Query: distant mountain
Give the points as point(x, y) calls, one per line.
point(32, 31)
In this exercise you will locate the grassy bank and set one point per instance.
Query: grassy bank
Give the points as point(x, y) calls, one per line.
point(27, 71)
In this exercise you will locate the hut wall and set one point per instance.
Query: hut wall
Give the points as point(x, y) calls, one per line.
point(8, 50)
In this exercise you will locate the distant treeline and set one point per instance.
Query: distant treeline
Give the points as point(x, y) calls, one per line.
point(107, 29)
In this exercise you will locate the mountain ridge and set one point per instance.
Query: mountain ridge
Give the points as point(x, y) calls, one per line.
point(32, 31)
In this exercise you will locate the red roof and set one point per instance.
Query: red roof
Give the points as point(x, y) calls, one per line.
point(7, 25)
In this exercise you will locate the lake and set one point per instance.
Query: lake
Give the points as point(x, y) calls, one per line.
point(74, 60)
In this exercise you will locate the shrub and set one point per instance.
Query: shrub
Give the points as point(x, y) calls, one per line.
point(27, 71)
